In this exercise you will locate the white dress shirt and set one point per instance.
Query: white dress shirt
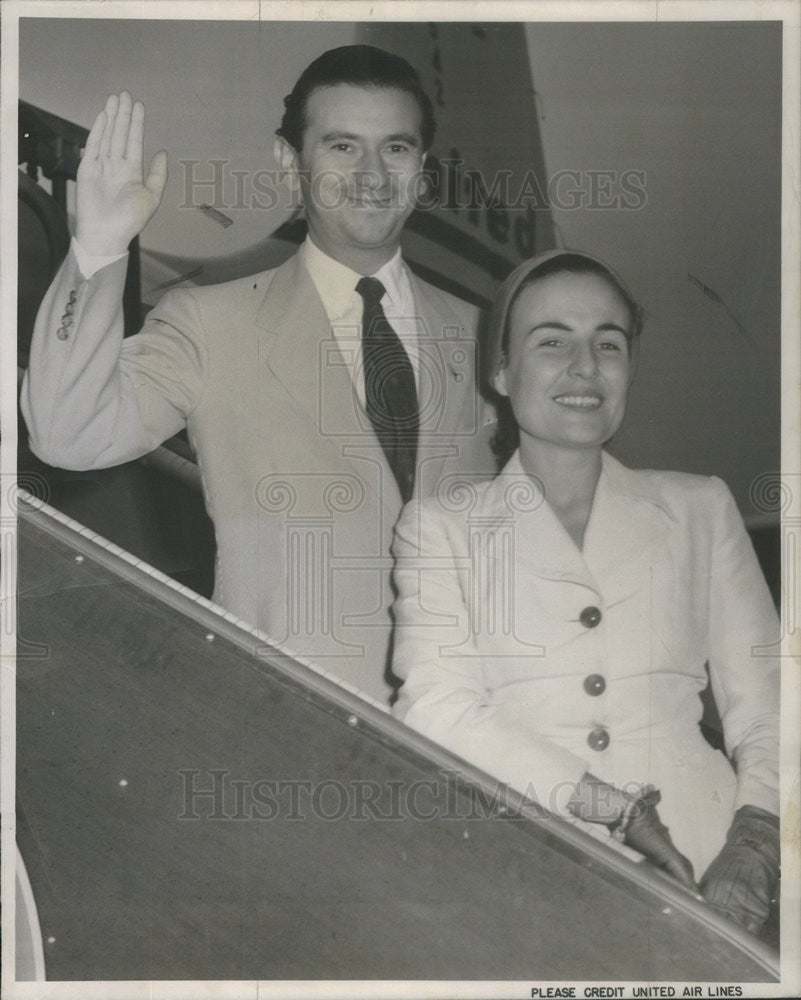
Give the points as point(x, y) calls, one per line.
point(336, 286)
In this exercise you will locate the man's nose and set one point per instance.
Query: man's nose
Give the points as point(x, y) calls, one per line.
point(371, 171)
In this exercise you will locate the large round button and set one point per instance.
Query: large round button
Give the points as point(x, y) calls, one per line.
point(61, 333)
point(598, 739)
point(594, 684)
point(590, 617)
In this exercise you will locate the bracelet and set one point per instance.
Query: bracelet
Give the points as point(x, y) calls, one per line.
point(647, 795)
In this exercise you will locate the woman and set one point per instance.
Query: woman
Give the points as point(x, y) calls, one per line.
point(553, 625)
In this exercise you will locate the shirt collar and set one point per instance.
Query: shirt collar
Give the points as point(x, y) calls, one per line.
point(336, 282)
point(392, 276)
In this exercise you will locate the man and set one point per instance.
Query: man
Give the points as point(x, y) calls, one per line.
point(315, 408)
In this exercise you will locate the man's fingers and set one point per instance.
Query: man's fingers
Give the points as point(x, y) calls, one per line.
point(111, 116)
point(157, 175)
point(95, 135)
point(136, 132)
point(119, 135)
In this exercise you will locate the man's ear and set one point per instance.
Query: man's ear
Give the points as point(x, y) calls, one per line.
point(286, 157)
point(498, 381)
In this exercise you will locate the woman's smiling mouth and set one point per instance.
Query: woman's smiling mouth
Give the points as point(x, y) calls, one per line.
point(583, 401)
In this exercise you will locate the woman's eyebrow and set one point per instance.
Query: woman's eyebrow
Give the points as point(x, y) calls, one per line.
point(607, 327)
point(550, 324)
point(555, 324)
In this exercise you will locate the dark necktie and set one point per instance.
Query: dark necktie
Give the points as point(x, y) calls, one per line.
point(389, 389)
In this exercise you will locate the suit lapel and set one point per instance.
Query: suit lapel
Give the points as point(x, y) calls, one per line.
point(541, 544)
point(446, 378)
point(296, 343)
point(628, 519)
point(298, 346)
point(296, 330)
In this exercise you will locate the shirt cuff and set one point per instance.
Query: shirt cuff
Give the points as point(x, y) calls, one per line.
point(88, 264)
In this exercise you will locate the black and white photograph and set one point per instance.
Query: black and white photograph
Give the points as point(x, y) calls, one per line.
point(400, 499)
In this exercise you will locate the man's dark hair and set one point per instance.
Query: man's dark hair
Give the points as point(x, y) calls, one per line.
point(361, 66)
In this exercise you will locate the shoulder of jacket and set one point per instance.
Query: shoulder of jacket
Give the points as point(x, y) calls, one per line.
point(235, 294)
point(684, 483)
point(685, 492)
point(678, 493)
point(668, 479)
point(465, 311)
point(237, 290)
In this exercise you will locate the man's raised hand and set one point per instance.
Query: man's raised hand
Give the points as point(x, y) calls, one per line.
point(115, 200)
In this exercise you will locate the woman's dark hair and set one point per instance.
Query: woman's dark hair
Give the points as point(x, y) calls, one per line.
point(507, 435)
point(361, 66)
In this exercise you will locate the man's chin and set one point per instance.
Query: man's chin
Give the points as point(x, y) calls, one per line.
point(373, 237)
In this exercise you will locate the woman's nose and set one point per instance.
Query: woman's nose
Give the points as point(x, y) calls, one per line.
point(583, 361)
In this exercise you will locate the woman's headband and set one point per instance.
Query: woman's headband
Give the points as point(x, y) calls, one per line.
point(499, 313)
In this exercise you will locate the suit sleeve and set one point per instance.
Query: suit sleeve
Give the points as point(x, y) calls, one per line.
point(443, 694)
point(743, 661)
point(91, 399)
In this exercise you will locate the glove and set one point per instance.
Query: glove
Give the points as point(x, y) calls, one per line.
point(640, 828)
point(742, 880)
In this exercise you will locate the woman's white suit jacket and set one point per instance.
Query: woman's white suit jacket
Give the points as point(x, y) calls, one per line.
point(538, 662)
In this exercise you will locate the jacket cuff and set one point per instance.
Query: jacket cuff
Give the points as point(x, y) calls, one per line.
point(89, 264)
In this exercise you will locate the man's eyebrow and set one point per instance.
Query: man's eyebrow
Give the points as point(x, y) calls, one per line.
point(411, 138)
point(339, 135)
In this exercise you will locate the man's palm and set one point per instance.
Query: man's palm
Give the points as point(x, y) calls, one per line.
point(115, 200)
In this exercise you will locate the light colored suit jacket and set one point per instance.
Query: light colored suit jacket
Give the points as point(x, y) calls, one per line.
point(539, 662)
point(302, 498)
